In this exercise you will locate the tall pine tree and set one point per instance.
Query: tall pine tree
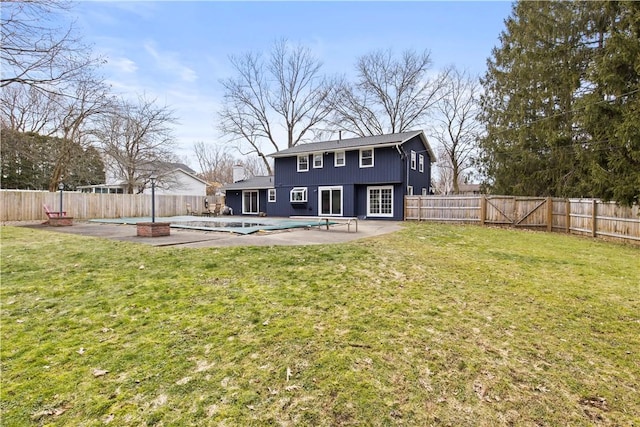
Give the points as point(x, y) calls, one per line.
point(610, 115)
point(544, 128)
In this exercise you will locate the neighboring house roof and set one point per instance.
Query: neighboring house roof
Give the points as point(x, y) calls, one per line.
point(173, 166)
point(254, 183)
point(352, 143)
point(191, 174)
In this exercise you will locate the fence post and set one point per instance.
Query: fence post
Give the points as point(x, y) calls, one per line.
point(404, 203)
point(567, 210)
point(419, 208)
point(483, 209)
point(594, 214)
point(549, 214)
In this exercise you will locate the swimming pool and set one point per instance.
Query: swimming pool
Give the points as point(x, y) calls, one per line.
point(233, 224)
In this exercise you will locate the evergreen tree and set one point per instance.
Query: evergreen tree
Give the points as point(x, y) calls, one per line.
point(560, 103)
point(611, 112)
point(28, 161)
point(527, 106)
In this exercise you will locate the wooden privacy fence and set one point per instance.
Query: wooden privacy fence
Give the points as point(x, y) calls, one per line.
point(591, 217)
point(27, 205)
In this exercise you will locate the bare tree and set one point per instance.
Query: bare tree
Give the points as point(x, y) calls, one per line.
point(216, 163)
point(77, 120)
point(285, 90)
point(253, 166)
point(26, 109)
point(35, 50)
point(390, 94)
point(455, 126)
point(137, 140)
point(442, 180)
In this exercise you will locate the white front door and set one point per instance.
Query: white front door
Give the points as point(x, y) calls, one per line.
point(330, 201)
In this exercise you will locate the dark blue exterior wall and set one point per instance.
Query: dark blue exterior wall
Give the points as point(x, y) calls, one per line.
point(417, 179)
point(387, 168)
point(233, 199)
point(391, 168)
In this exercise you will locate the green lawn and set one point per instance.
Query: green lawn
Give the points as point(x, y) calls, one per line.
point(433, 325)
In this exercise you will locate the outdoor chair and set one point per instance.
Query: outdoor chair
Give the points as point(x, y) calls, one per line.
point(53, 214)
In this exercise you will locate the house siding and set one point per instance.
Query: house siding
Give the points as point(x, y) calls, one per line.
point(233, 199)
point(386, 169)
point(415, 178)
point(391, 168)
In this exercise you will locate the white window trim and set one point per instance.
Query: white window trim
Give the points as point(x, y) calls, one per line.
point(302, 191)
point(421, 163)
point(271, 195)
point(413, 160)
point(298, 163)
point(383, 187)
point(318, 156)
point(335, 159)
point(334, 187)
point(372, 157)
point(244, 211)
point(424, 191)
point(409, 190)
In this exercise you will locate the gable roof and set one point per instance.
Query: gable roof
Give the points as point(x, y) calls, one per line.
point(182, 166)
point(253, 183)
point(189, 174)
point(353, 143)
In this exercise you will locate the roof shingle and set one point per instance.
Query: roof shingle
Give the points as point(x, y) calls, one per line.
point(350, 143)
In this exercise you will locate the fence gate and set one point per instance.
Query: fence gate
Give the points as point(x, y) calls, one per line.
point(517, 211)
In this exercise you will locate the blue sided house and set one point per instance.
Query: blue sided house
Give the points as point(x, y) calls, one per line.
point(358, 177)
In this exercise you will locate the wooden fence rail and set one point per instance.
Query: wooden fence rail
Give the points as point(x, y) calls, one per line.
point(578, 216)
point(27, 205)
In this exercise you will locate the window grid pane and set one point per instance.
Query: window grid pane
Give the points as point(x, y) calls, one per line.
point(386, 201)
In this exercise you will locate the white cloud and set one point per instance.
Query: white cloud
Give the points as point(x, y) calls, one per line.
point(169, 61)
point(122, 65)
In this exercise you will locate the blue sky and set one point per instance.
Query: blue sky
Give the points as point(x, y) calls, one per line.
point(178, 51)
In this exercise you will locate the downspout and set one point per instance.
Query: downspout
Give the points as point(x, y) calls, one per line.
point(403, 154)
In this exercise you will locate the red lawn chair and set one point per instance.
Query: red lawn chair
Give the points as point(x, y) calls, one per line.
point(52, 214)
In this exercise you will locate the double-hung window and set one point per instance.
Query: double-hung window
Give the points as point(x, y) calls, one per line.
point(298, 195)
point(366, 158)
point(413, 160)
point(303, 163)
point(421, 162)
point(339, 159)
point(317, 161)
point(271, 195)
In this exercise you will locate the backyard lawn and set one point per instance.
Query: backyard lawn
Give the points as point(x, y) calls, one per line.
point(432, 325)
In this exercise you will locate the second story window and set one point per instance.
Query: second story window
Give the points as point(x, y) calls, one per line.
point(317, 160)
point(366, 158)
point(421, 162)
point(339, 159)
point(413, 160)
point(303, 163)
